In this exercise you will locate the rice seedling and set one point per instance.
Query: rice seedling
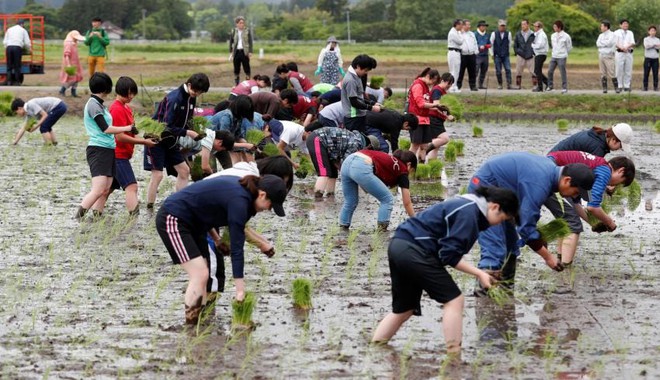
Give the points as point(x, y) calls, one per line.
point(422, 172)
point(242, 311)
point(5, 109)
point(150, 128)
point(305, 167)
point(499, 295)
point(657, 126)
point(404, 143)
point(29, 124)
point(562, 125)
point(463, 190)
point(477, 131)
point(554, 230)
point(459, 145)
point(301, 292)
point(199, 125)
point(450, 153)
point(70, 70)
point(271, 150)
point(376, 81)
point(6, 97)
point(196, 172)
point(435, 168)
point(634, 195)
point(254, 136)
point(455, 106)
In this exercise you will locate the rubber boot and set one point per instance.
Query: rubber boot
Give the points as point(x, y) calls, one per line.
point(74, 92)
point(509, 271)
point(518, 82)
point(237, 79)
point(535, 81)
point(382, 226)
point(603, 80)
point(615, 83)
point(80, 213)
point(62, 90)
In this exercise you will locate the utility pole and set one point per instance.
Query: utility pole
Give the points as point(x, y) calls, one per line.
point(348, 24)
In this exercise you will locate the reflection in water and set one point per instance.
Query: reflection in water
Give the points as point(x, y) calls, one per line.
point(496, 324)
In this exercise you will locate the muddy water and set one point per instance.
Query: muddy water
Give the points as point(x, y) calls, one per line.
point(101, 300)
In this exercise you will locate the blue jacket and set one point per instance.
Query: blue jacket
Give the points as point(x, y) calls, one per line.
point(225, 121)
point(482, 41)
point(533, 178)
point(585, 141)
point(449, 228)
point(176, 110)
point(216, 202)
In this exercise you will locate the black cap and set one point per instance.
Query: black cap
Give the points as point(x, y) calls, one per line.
point(482, 23)
point(275, 188)
point(581, 176)
point(20, 22)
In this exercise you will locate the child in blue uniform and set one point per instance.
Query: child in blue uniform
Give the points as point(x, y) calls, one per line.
point(424, 244)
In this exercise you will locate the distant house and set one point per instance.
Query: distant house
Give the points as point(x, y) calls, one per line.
point(114, 32)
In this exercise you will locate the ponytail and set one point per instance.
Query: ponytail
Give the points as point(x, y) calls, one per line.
point(424, 72)
point(407, 157)
point(251, 183)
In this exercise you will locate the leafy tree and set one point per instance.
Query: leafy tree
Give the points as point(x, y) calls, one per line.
point(424, 19)
point(336, 8)
point(582, 27)
point(369, 11)
point(599, 9)
point(220, 29)
point(494, 8)
point(640, 14)
point(52, 25)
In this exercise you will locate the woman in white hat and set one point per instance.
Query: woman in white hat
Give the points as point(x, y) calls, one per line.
point(330, 63)
point(71, 72)
point(598, 141)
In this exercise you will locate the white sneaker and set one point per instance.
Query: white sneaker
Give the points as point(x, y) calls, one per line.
point(563, 91)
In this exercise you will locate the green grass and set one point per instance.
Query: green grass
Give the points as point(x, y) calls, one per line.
point(301, 292)
point(657, 126)
point(562, 125)
point(242, 310)
point(305, 167)
point(5, 109)
point(199, 124)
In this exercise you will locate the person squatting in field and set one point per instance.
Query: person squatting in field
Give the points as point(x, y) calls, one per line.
point(101, 147)
point(48, 110)
point(426, 243)
point(175, 110)
point(598, 141)
point(375, 172)
point(186, 217)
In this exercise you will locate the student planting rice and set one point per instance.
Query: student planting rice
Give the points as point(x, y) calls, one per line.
point(47, 110)
point(598, 141)
point(424, 244)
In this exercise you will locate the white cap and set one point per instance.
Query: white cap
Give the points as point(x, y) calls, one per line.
point(624, 133)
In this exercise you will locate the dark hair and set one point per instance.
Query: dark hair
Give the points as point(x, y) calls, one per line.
point(199, 82)
point(292, 66)
point(447, 77)
point(264, 78)
point(412, 120)
point(100, 83)
point(406, 156)
point(364, 62)
point(628, 168)
point(524, 20)
point(623, 20)
point(507, 199)
point(606, 23)
point(227, 139)
point(457, 22)
point(651, 27)
point(281, 69)
point(315, 94)
point(289, 94)
point(388, 91)
point(278, 166)
point(559, 24)
point(432, 73)
point(223, 105)
point(242, 108)
point(97, 19)
point(18, 102)
point(126, 86)
point(251, 183)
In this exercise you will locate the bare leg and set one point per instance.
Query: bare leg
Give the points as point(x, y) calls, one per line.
point(437, 142)
point(152, 189)
point(198, 274)
point(48, 138)
point(330, 185)
point(100, 188)
point(452, 324)
point(389, 326)
point(131, 197)
point(568, 247)
point(183, 173)
point(321, 184)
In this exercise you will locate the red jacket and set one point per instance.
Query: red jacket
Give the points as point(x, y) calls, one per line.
point(386, 167)
point(304, 81)
point(437, 92)
point(418, 95)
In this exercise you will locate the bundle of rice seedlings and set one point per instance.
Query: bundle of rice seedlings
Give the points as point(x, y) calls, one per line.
point(301, 291)
point(196, 172)
point(270, 150)
point(463, 190)
point(562, 125)
point(5, 109)
point(376, 81)
point(6, 97)
point(29, 124)
point(254, 136)
point(499, 295)
point(657, 126)
point(404, 143)
point(459, 145)
point(477, 131)
point(634, 195)
point(435, 167)
point(305, 167)
point(422, 172)
point(199, 124)
point(450, 153)
point(455, 105)
point(554, 230)
point(242, 311)
point(150, 128)
point(70, 70)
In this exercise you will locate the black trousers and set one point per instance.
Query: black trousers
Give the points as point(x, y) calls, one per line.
point(14, 56)
point(482, 68)
point(468, 62)
point(240, 58)
point(651, 66)
point(538, 70)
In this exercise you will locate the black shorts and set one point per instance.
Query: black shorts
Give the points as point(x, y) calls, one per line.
point(319, 155)
point(414, 270)
point(437, 127)
point(101, 161)
point(182, 242)
point(565, 210)
point(124, 176)
point(421, 135)
point(162, 156)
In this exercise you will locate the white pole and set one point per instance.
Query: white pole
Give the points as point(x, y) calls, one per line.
point(348, 24)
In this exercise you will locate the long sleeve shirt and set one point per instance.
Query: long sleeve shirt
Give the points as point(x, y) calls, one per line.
point(600, 167)
point(540, 44)
point(483, 39)
point(584, 141)
point(606, 43)
point(522, 44)
point(470, 46)
point(454, 39)
point(449, 228)
point(175, 110)
point(561, 44)
point(504, 36)
point(625, 40)
point(17, 36)
point(212, 203)
point(651, 45)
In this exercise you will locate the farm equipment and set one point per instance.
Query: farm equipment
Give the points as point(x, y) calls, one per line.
point(33, 61)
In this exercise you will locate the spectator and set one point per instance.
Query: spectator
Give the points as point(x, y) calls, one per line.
point(240, 41)
point(540, 46)
point(606, 44)
point(651, 49)
point(625, 42)
point(330, 62)
point(469, 52)
point(455, 42)
point(561, 45)
point(483, 43)
point(500, 41)
point(16, 40)
point(522, 45)
point(70, 59)
point(97, 39)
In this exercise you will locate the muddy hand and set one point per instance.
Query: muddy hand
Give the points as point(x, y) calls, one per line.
point(554, 264)
point(222, 248)
point(269, 252)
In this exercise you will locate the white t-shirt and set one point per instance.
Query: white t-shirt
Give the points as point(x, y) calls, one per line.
point(292, 134)
point(240, 169)
point(33, 107)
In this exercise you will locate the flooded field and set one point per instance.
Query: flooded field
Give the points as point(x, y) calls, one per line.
point(101, 300)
